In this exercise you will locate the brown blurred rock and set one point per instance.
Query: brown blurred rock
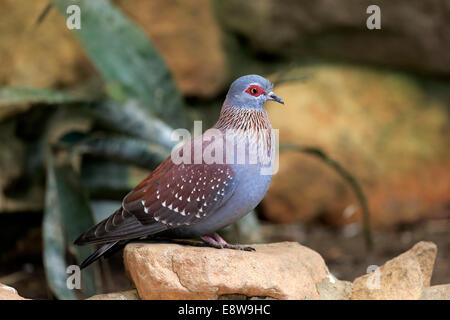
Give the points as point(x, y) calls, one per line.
point(123, 295)
point(9, 293)
point(43, 56)
point(441, 292)
point(414, 35)
point(283, 270)
point(402, 278)
point(49, 55)
point(380, 126)
point(334, 289)
point(188, 35)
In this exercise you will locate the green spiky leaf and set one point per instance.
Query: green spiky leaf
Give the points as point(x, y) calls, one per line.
point(128, 61)
point(129, 150)
point(67, 215)
point(13, 96)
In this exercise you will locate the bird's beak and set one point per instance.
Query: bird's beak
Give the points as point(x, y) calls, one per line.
point(272, 96)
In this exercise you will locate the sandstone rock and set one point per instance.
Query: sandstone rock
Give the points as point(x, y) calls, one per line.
point(123, 295)
point(441, 292)
point(191, 47)
point(9, 293)
point(381, 126)
point(402, 278)
point(43, 56)
point(334, 289)
point(188, 36)
point(283, 270)
point(336, 30)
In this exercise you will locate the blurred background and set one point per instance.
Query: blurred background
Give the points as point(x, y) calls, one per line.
point(86, 114)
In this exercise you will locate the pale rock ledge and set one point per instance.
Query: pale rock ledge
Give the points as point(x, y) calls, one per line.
point(285, 270)
point(9, 293)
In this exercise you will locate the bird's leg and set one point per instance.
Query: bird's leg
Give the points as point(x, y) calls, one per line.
point(216, 241)
point(219, 239)
point(211, 242)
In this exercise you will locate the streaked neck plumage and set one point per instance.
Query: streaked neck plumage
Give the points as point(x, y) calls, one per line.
point(246, 119)
point(250, 124)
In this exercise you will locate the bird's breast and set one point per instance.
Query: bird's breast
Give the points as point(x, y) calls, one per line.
point(250, 190)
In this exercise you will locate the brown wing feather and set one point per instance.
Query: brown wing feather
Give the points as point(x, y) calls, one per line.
point(181, 195)
point(173, 195)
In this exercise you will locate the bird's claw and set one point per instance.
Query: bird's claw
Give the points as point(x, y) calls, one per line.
point(238, 247)
point(217, 242)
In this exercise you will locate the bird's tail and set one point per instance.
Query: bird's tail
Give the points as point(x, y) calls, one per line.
point(105, 250)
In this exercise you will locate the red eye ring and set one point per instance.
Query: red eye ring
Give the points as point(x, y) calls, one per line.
point(255, 90)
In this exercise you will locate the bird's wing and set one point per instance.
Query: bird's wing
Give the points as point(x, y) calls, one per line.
point(174, 195)
point(182, 195)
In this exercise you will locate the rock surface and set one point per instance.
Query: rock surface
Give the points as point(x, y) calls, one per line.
point(43, 56)
point(334, 289)
point(440, 292)
point(381, 126)
point(337, 30)
point(123, 295)
point(402, 278)
point(9, 293)
point(283, 270)
point(191, 47)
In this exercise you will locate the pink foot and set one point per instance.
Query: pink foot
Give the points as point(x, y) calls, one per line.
point(216, 241)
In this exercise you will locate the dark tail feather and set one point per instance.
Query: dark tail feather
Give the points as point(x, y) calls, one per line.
point(119, 245)
point(100, 252)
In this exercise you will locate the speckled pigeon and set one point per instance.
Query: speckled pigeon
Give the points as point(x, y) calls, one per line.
point(208, 189)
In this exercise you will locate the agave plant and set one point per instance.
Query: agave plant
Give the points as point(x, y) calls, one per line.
point(85, 146)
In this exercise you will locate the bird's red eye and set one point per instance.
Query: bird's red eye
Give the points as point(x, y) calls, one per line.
point(254, 90)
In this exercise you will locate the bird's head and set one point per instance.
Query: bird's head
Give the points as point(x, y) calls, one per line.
point(250, 92)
